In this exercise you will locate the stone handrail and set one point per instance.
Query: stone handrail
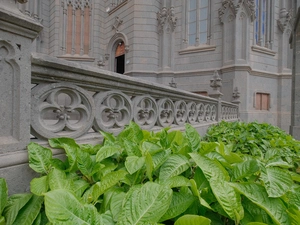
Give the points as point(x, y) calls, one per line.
point(76, 100)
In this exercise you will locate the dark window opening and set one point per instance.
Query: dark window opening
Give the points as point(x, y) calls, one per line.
point(120, 64)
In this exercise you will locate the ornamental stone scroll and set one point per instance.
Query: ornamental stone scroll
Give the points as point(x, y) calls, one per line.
point(61, 109)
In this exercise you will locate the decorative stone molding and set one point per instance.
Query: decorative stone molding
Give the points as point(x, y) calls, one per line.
point(229, 4)
point(236, 96)
point(117, 24)
point(166, 17)
point(173, 83)
point(250, 6)
point(216, 84)
point(22, 1)
point(108, 101)
point(285, 19)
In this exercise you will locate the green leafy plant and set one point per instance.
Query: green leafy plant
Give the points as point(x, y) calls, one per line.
point(169, 177)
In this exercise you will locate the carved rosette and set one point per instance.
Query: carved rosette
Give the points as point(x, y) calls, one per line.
point(192, 113)
point(166, 112)
point(53, 117)
point(145, 111)
point(180, 112)
point(113, 111)
point(200, 112)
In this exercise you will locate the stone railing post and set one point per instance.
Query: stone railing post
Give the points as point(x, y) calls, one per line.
point(216, 84)
point(17, 31)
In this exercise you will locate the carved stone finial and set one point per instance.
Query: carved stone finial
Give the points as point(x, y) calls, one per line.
point(173, 83)
point(166, 17)
point(236, 96)
point(216, 84)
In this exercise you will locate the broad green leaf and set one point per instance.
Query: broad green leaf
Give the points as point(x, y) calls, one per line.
point(277, 181)
point(64, 208)
point(200, 179)
point(14, 204)
point(58, 180)
point(134, 163)
point(85, 163)
point(149, 165)
point(150, 147)
point(131, 132)
point(132, 148)
point(108, 136)
point(177, 181)
point(294, 197)
point(79, 186)
point(39, 158)
point(207, 147)
point(193, 137)
point(70, 147)
point(99, 188)
point(91, 149)
point(175, 165)
point(37, 220)
point(244, 169)
point(256, 223)
point(197, 194)
point(116, 204)
point(145, 204)
point(159, 158)
point(175, 137)
point(295, 176)
point(107, 151)
point(294, 215)
point(3, 194)
point(179, 204)
point(2, 220)
point(39, 186)
point(30, 211)
point(107, 219)
point(58, 164)
point(258, 195)
point(279, 163)
point(228, 198)
point(192, 220)
point(210, 168)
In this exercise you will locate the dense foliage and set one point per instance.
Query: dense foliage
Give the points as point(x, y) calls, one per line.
point(239, 174)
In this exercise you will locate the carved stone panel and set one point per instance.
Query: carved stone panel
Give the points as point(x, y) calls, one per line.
point(9, 94)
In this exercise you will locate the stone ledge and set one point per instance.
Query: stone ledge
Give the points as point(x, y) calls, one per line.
point(263, 50)
point(191, 50)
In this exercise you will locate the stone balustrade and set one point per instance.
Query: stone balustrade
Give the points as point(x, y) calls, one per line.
point(75, 100)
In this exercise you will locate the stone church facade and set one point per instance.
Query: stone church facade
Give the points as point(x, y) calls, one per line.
point(182, 43)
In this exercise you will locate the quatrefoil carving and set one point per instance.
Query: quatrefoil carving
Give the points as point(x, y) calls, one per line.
point(61, 109)
point(113, 111)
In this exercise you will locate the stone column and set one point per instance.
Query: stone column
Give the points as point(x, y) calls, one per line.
point(295, 120)
point(17, 31)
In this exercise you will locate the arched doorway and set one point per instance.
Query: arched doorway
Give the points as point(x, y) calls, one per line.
point(120, 58)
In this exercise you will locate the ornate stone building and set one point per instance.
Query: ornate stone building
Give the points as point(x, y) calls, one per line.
point(184, 43)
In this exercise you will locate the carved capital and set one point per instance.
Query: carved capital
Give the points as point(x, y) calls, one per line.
point(227, 4)
point(285, 18)
point(22, 1)
point(166, 20)
point(236, 96)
